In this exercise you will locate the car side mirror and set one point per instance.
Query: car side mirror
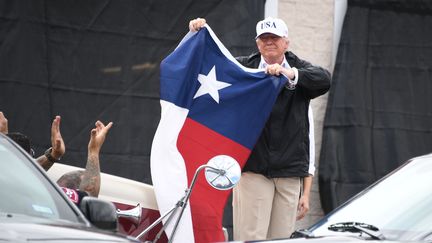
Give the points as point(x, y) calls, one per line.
point(100, 213)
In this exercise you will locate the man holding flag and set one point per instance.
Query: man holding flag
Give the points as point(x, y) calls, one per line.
point(268, 199)
point(212, 105)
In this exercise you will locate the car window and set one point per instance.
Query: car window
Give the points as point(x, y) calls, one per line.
point(25, 191)
point(400, 205)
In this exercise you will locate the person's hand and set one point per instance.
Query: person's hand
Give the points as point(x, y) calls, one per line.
point(57, 143)
point(3, 124)
point(276, 69)
point(97, 136)
point(303, 207)
point(196, 24)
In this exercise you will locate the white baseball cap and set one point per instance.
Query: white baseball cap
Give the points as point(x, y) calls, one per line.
point(272, 25)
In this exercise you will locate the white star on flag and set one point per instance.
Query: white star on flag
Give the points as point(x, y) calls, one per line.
point(210, 85)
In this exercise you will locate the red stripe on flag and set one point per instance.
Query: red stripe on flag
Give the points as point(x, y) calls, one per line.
point(198, 144)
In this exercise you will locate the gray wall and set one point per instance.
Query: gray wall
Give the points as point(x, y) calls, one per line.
point(310, 24)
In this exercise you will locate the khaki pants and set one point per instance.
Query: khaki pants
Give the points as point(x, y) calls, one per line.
point(264, 208)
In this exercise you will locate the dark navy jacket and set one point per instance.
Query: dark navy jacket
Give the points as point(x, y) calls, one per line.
point(282, 150)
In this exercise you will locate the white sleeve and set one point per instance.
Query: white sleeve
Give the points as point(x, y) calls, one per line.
point(311, 142)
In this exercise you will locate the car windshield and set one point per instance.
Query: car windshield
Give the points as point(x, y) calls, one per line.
point(26, 192)
point(399, 206)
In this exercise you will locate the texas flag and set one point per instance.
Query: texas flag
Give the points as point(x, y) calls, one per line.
point(210, 105)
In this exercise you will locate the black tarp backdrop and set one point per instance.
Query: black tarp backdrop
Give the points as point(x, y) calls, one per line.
point(99, 59)
point(379, 111)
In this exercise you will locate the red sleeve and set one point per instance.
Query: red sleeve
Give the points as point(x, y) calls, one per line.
point(74, 195)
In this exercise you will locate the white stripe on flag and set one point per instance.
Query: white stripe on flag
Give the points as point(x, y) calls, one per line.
point(168, 169)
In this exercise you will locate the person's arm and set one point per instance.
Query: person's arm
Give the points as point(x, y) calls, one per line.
point(303, 206)
point(57, 146)
point(315, 80)
point(3, 124)
point(91, 179)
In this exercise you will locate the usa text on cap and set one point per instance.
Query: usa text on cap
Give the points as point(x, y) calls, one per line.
point(272, 25)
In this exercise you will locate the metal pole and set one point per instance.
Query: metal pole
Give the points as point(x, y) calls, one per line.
point(155, 223)
point(186, 198)
point(180, 204)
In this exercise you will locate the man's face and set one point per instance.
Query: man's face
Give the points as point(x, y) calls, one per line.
point(271, 46)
